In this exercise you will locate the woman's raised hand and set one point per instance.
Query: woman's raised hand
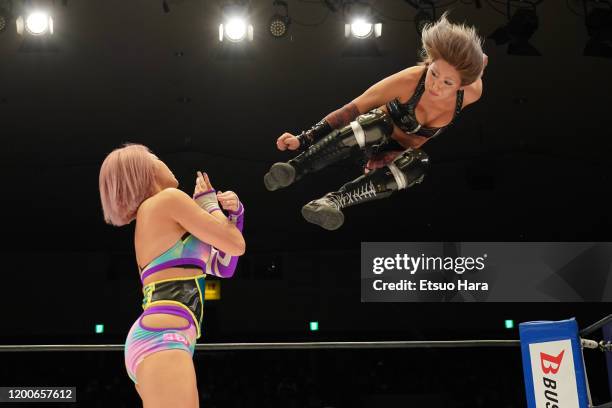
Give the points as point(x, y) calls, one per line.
point(202, 183)
point(229, 200)
point(287, 141)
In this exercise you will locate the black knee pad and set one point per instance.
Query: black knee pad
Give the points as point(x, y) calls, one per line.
point(368, 129)
point(371, 128)
point(409, 168)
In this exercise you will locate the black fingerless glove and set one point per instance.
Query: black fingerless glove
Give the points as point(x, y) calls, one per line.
point(309, 137)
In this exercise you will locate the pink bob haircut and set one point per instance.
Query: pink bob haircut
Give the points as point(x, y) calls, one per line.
point(127, 178)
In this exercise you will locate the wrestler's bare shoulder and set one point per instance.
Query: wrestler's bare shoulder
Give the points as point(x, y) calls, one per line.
point(400, 85)
point(403, 83)
point(169, 196)
point(166, 201)
point(411, 75)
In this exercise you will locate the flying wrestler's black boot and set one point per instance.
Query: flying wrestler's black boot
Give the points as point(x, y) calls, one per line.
point(369, 129)
point(406, 170)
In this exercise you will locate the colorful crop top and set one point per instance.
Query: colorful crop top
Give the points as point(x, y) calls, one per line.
point(190, 251)
point(404, 116)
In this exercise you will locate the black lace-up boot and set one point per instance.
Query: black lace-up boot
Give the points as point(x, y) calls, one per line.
point(406, 170)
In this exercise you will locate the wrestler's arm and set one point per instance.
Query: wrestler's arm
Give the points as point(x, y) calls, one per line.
point(223, 264)
point(374, 97)
point(213, 228)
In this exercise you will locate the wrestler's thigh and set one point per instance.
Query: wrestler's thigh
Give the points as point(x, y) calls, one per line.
point(167, 379)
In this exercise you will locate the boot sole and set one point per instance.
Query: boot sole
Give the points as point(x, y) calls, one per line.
point(325, 217)
point(280, 175)
point(270, 183)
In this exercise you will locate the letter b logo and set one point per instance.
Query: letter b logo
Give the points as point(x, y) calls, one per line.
point(551, 364)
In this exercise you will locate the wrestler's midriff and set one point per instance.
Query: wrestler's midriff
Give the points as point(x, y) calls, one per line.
point(165, 320)
point(403, 138)
point(407, 139)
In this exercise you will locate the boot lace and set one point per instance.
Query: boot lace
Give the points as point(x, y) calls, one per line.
point(340, 200)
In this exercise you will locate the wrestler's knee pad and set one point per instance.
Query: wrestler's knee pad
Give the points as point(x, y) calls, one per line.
point(369, 129)
point(409, 168)
point(366, 130)
point(406, 170)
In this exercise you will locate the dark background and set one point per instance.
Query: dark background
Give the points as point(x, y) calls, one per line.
point(528, 162)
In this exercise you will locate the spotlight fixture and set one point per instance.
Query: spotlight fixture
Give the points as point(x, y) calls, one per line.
point(39, 23)
point(426, 13)
point(599, 28)
point(36, 27)
point(279, 23)
point(421, 19)
point(523, 24)
point(5, 14)
point(518, 31)
point(36, 23)
point(235, 27)
point(361, 23)
point(361, 28)
point(3, 22)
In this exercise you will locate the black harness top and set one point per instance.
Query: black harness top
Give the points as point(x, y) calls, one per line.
point(404, 117)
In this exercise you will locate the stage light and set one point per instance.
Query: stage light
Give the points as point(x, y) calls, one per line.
point(37, 23)
point(236, 29)
point(518, 31)
point(278, 28)
point(5, 14)
point(523, 24)
point(599, 28)
point(422, 19)
point(361, 28)
point(235, 26)
point(360, 22)
point(280, 21)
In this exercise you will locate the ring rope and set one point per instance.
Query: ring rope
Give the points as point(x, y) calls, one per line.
point(276, 346)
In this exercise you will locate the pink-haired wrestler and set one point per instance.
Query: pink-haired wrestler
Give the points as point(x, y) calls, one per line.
point(178, 239)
